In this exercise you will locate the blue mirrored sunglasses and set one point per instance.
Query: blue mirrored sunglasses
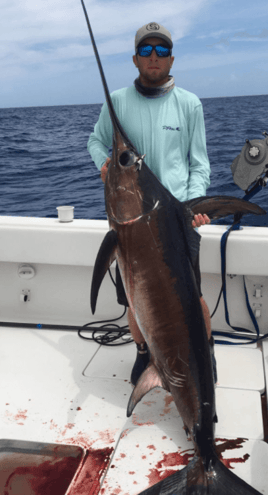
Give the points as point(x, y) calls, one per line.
point(160, 50)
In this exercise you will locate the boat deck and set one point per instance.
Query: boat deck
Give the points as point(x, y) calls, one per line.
point(58, 388)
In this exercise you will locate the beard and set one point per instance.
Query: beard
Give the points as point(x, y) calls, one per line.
point(155, 78)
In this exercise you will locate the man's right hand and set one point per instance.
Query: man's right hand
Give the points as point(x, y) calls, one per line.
point(104, 169)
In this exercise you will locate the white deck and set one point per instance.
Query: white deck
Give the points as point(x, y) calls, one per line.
point(56, 387)
point(60, 388)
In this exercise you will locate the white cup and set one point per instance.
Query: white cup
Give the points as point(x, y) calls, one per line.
point(65, 213)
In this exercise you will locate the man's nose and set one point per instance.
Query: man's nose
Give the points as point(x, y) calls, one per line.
point(153, 55)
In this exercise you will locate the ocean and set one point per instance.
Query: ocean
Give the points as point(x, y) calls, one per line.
point(44, 162)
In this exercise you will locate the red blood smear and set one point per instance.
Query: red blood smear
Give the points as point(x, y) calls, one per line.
point(26, 474)
point(107, 436)
point(125, 433)
point(168, 400)
point(230, 445)
point(136, 423)
point(87, 481)
point(20, 415)
point(172, 459)
point(175, 459)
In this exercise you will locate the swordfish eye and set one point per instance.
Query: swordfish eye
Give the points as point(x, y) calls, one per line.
point(127, 158)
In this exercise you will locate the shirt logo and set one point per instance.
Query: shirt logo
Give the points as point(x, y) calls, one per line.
point(168, 128)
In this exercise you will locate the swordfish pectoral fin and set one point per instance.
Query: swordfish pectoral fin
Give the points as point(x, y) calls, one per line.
point(105, 258)
point(222, 206)
point(149, 379)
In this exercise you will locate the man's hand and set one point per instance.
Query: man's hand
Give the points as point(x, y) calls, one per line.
point(104, 169)
point(200, 220)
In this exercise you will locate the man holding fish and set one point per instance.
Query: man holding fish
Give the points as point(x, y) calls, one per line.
point(171, 135)
point(151, 236)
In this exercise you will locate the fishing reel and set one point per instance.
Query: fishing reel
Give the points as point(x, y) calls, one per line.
point(250, 168)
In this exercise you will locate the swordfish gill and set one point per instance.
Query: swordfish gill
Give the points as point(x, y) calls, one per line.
point(152, 239)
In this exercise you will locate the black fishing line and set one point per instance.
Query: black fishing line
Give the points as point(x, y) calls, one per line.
point(110, 332)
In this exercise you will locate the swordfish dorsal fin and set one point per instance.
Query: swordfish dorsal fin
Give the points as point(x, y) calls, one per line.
point(105, 258)
point(222, 206)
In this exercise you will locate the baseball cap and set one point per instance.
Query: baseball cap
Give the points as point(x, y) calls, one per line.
point(152, 30)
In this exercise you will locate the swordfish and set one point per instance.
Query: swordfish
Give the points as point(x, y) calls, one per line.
point(152, 239)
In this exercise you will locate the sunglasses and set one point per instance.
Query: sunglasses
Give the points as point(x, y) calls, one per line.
point(160, 50)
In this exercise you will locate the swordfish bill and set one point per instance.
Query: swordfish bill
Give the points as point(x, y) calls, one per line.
point(156, 248)
point(116, 124)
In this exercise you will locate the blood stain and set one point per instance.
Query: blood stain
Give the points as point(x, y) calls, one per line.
point(107, 436)
point(87, 480)
point(151, 447)
point(79, 408)
point(230, 444)
point(169, 460)
point(125, 433)
point(168, 400)
point(20, 415)
point(52, 424)
point(136, 423)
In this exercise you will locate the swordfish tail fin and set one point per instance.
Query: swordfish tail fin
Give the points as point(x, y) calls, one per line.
point(194, 480)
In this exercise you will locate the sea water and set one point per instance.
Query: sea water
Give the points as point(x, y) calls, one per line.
point(44, 162)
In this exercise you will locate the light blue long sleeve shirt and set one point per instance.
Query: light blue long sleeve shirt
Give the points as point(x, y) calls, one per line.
point(170, 130)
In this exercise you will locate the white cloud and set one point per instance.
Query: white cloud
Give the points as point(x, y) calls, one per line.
point(195, 62)
point(36, 34)
point(214, 34)
point(44, 20)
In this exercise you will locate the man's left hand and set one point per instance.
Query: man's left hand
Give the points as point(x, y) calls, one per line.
point(200, 220)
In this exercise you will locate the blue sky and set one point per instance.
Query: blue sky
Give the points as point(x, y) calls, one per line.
point(220, 47)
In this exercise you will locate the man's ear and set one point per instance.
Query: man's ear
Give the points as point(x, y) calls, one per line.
point(135, 61)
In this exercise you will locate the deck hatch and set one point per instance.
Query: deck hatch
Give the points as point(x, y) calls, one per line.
point(35, 468)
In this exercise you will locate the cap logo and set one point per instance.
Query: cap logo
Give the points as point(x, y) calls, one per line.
point(152, 26)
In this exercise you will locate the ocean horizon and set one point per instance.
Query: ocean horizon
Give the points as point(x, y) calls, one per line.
point(44, 162)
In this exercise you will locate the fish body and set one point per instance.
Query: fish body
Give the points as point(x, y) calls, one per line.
point(152, 239)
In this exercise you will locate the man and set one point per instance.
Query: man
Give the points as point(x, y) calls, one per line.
point(167, 124)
